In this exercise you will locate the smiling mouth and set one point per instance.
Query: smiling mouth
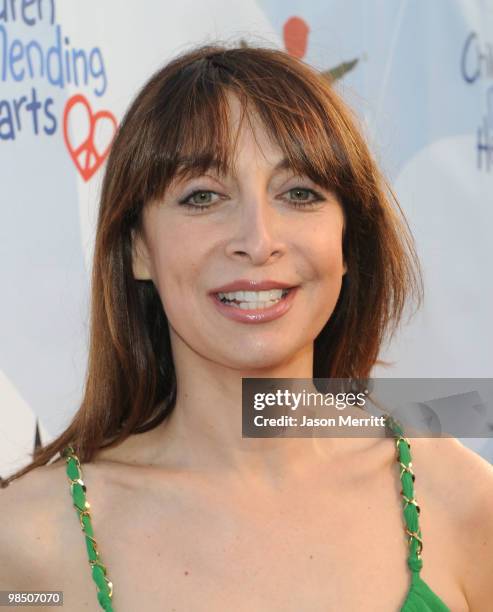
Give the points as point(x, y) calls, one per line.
point(253, 300)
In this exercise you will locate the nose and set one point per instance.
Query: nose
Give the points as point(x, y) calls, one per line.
point(257, 233)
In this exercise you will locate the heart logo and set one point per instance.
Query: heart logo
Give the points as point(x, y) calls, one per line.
point(86, 156)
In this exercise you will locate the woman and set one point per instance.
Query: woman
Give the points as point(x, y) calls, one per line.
point(242, 170)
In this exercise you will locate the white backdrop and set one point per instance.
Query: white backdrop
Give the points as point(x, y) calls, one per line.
point(419, 74)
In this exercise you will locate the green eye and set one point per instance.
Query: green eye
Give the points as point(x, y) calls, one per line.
point(298, 190)
point(196, 203)
point(201, 198)
point(301, 193)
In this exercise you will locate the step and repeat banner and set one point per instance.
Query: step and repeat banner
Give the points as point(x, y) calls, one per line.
point(419, 74)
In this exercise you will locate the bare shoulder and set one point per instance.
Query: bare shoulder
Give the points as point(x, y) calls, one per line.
point(460, 481)
point(32, 508)
point(455, 471)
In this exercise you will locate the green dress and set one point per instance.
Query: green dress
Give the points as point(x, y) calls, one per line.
point(420, 598)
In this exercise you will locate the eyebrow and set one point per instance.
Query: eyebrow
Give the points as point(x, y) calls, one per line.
point(283, 164)
point(189, 167)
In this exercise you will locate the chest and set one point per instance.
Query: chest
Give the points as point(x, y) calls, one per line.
point(205, 549)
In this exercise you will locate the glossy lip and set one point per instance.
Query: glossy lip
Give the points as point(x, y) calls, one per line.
point(255, 315)
point(244, 284)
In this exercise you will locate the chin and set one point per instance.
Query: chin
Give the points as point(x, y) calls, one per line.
point(264, 359)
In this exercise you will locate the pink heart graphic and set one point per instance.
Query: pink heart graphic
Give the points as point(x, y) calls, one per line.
point(86, 157)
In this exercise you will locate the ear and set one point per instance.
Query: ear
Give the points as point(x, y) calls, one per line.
point(140, 257)
point(344, 268)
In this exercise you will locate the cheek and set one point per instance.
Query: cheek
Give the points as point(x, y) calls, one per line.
point(326, 250)
point(171, 268)
point(327, 268)
point(180, 256)
point(176, 251)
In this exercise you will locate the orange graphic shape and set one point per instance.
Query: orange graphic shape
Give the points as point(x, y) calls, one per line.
point(295, 33)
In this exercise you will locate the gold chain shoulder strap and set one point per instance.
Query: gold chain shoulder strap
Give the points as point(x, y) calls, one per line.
point(410, 505)
point(82, 506)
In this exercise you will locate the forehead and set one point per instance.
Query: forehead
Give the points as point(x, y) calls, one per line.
point(249, 142)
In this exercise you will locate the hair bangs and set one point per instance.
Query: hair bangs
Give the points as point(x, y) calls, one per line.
point(293, 112)
point(199, 137)
point(300, 112)
point(306, 140)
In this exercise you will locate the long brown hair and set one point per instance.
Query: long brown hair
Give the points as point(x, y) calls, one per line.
point(178, 122)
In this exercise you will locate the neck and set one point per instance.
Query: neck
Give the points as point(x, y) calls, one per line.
point(204, 430)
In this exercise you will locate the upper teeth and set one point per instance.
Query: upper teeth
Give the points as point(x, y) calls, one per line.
point(254, 296)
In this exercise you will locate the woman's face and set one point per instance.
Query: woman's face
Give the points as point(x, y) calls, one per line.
point(259, 223)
